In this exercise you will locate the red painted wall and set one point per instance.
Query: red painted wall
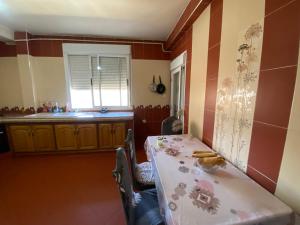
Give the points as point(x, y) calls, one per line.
point(275, 87)
point(51, 46)
point(275, 90)
point(7, 50)
point(214, 41)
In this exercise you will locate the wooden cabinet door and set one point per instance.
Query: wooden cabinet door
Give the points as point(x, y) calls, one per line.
point(43, 137)
point(118, 135)
point(66, 137)
point(87, 136)
point(105, 135)
point(21, 138)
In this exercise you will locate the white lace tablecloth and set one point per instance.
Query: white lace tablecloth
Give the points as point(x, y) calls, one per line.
point(189, 196)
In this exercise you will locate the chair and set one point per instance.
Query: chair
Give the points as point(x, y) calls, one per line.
point(140, 208)
point(142, 174)
point(171, 125)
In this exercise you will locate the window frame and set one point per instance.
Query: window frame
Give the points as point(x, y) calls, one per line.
point(97, 50)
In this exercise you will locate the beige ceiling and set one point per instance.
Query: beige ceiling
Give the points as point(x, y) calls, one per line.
point(139, 19)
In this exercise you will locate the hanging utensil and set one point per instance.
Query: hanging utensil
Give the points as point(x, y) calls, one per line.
point(153, 85)
point(161, 88)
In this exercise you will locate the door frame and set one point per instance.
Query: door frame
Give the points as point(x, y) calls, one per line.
point(179, 65)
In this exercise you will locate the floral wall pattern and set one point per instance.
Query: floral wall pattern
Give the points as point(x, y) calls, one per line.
point(236, 97)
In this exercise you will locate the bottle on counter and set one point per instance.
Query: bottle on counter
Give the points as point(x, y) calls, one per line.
point(56, 108)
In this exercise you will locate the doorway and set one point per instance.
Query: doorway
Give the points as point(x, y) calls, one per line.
point(178, 86)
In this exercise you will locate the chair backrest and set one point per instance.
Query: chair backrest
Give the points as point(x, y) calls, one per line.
point(131, 150)
point(123, 178)
point(171, 125)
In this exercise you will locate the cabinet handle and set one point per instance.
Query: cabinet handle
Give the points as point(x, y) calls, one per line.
point(76, 131)
point(30, 133)
point(112, 130)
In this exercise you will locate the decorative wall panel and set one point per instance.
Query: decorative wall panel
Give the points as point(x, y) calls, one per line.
point(236, 97)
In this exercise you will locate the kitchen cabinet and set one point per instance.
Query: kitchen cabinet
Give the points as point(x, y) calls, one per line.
point(119, 134)
point(112, 135)
point(105, 135)
point(87, 136)
point(21, 138)
point(43, 137)
point(32, 138)
point(73, 137)
point(66, 136)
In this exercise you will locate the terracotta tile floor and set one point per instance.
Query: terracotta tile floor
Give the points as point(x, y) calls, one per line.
point(60, 190)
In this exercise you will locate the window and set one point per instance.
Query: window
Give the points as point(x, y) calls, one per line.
point(98, 80)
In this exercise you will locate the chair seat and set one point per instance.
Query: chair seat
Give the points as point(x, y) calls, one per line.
point(144, 173)
point(145, 166)
point(171, 125)
point(147, 210)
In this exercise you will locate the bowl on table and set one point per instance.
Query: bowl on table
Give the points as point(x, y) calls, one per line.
point(207, 168)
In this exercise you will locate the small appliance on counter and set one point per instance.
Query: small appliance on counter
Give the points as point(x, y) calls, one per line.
point(103, 110)
point(4, 147)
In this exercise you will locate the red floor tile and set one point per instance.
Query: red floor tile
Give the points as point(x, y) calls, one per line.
point(60, 190)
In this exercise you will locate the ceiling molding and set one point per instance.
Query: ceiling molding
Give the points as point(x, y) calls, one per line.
point(134, 19)
point(188, 17)
point(25, 36)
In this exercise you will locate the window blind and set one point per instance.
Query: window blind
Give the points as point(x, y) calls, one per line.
point(110, 81)
point(96, 81)
point(113, 72)
point(80, 71)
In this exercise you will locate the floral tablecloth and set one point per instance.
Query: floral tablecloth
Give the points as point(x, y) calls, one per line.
point(189, 196)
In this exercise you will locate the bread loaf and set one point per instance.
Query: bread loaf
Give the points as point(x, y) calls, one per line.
point(201, 151)
point(203, 155)
point(211, 161)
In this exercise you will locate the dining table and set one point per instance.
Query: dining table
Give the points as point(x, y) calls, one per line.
point(189, 195)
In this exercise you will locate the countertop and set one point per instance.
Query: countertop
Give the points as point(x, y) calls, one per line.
point(68, 117)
